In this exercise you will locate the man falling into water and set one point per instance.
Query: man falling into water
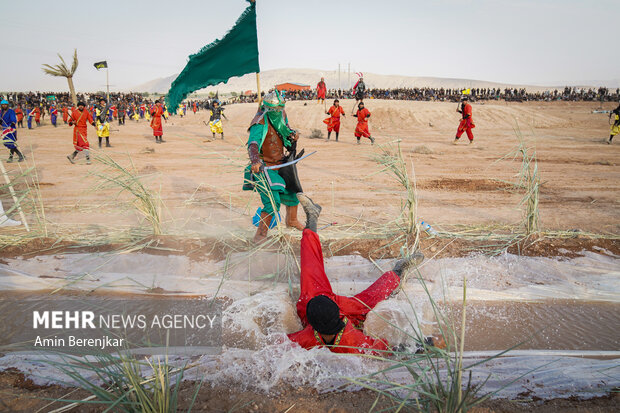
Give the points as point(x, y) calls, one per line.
point(332, 320)
point(270, 135)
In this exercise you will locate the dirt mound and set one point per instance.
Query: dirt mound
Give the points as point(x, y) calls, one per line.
point(464, 184)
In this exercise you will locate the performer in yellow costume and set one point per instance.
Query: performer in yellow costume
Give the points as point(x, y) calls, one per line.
point(215, 121)
point(102, 125)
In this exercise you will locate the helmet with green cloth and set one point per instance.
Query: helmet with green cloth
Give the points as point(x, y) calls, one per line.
point(273, 101)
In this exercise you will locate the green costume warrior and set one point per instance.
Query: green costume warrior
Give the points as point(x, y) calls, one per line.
point(270, 135)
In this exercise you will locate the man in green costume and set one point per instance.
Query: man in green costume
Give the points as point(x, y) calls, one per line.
point(270, 135)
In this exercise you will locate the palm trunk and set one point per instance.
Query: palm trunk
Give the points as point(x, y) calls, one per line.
point(72, 90)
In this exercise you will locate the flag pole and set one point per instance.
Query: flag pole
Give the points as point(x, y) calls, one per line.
point(107, 82)
point(258, 88)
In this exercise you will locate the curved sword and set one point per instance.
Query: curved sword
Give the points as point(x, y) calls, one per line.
point(289, 163)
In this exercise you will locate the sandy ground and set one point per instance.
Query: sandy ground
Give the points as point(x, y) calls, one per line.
point(200, 179)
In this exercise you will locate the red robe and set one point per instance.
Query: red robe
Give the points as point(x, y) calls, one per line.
point(321, 89)
point(19, 113)
point(195, 108)
point(333, 122)
point(362, 123)
point(466, 124)
point(156, 124)
point(37, 115)
point(314, 282)
point(80, 130)
point(65, 114)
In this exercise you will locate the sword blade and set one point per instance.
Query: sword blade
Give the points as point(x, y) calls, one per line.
point(289, 163)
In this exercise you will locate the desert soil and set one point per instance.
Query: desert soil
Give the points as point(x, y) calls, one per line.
point(199, 180)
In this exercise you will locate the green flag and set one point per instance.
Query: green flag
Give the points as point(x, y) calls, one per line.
point(234, 55)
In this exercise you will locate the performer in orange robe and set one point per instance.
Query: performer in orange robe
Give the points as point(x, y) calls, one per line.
point(37, 116)
point(80, 117)
point(19, 113)
point(361, 129)
point(65, 114)
point(321, 90)
point(157, 113)
point(467, 122)
point(333, 122)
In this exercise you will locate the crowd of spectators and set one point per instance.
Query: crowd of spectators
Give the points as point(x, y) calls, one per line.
point(480, 94)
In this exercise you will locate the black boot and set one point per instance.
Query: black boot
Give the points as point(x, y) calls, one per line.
point(100, 140)
point(222, 135)
point(312, 211)
point(610, 138)
point(401, 266)
point(336, 136)
point(72, 157)
point(21, 156)
point(328, 135)
point(107, 142)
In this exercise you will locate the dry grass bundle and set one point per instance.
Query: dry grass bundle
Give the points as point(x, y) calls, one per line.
point(145, 201)
point(391, 158)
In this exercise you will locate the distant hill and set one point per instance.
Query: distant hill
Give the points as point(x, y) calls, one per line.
point(270, 78)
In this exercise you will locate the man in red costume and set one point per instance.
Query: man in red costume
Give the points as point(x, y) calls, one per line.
point(37, 115)
point(80, 117)
point(19, 113)
point(157, 113)
point(361, 129)
point(467, 122)
point(321, 90)
point(65, 113)
point(333, 122)
point(331, 320)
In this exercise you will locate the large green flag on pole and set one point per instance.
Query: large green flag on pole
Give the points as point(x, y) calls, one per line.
point(234, 55)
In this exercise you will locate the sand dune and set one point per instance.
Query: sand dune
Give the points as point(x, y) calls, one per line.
point(270, 78)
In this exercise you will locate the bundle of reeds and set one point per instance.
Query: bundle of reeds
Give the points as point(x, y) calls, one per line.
point(145, 201)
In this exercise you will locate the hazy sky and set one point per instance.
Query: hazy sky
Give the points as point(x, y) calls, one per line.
point(516, 41)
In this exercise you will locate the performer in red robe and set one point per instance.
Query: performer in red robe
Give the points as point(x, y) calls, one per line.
point(321, 90)
point(65, 114)
point(332, 320)
point(361, 129)
point(333, 122)
point(80, 117)
point(156, 114)
point(467, 122)
point(19, 113)
point(37, 116)
point(195, 108)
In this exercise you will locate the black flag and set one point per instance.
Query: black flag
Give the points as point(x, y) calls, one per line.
point(101, 65)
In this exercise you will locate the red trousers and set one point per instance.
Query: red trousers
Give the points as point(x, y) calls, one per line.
point(314, 282)
point(466, 125)
point(362, 130)
point(80, 140)
point(157, 126)
point(333, 124)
